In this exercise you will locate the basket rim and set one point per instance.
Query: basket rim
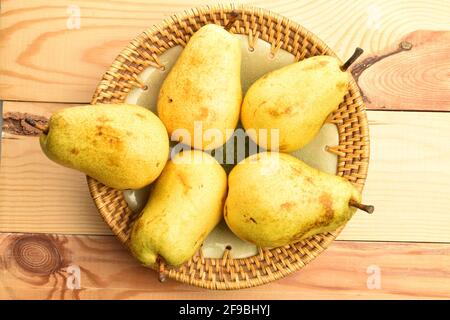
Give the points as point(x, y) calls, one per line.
point(286, 23)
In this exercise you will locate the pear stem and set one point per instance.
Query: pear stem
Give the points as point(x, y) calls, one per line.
point(233, 17)
point(364, 207)
point(355, 55)
point(34, 124)
point(161, 274)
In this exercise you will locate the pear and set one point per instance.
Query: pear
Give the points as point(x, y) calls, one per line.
point(285, 109)
point(122, 146)
point(202, 93)
point(275, 199)
point(183, 208)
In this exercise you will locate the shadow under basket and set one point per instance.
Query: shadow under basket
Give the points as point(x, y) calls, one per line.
point(353, 149)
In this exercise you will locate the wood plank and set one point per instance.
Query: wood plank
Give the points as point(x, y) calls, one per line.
point(54, 266)
point(45, 57)
point(408, 179)
point(36, 194)
point(410, 75)
point(408, 182)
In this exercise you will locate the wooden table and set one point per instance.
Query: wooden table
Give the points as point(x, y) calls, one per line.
point(53, 243)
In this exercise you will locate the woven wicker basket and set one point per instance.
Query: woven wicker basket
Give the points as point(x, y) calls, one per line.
point(353, 150)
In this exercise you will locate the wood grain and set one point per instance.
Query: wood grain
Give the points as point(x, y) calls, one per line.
point(83, 267)
point(411, 75)
point(36, 194)
point(408, 182)
point(43, 58)
point(408, 179)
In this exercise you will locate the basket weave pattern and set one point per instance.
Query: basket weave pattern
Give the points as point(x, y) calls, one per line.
point(350, 118)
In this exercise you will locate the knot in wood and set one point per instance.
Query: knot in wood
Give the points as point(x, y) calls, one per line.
point(405, 45)
point(36, 254)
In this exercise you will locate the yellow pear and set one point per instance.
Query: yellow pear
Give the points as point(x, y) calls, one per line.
point(184, 207)
point(203, 90)
point(122, 146)
point(275, 199)
point(285, 109)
